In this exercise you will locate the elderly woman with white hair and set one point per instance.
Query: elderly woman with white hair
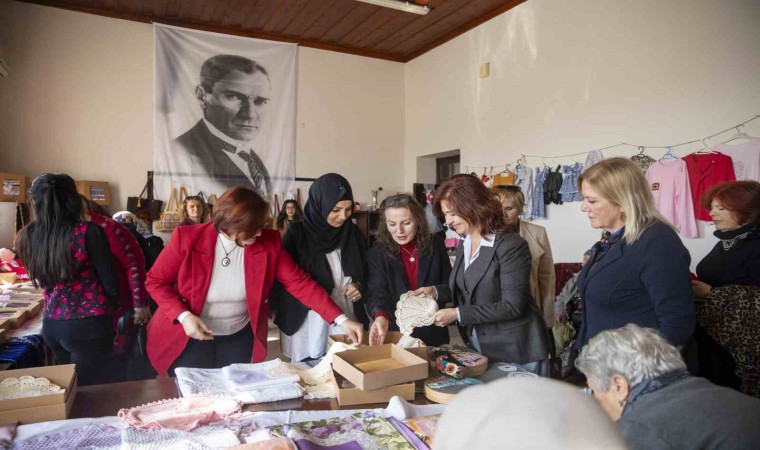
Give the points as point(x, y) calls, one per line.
point(641, 381)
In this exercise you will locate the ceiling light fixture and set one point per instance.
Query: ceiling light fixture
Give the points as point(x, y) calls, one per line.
point(400, 5)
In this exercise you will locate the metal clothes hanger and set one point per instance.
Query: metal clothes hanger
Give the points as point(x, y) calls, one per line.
point(705, 150)
point(739, 135)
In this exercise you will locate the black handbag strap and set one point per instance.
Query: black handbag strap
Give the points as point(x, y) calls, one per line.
point(149, 185)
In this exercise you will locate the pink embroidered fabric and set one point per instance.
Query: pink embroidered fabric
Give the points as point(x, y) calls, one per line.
point(181, 413)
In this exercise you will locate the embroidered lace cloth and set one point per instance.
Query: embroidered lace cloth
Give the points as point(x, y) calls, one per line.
point(208, 437)
point(90, 436)
point(361, 430)
point(318, 379)
point(212, 381)
point(27, 386)
point(413, 311)
point(243, 377)
point(181, 413)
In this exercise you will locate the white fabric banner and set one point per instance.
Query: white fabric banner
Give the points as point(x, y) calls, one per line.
point(225, 113)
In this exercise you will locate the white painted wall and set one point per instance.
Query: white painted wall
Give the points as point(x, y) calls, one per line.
point(79, 100)
point(570, 77)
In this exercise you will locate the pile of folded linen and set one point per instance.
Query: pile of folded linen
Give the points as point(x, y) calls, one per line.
point(248, 383)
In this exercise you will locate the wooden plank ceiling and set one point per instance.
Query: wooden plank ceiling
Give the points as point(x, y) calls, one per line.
point(347, 26)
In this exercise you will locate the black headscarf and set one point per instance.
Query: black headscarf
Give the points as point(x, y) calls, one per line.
point(322, 238)
point(324, 193)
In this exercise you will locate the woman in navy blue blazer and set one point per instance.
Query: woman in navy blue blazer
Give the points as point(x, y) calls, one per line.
point(406, 256)
point(639, 271)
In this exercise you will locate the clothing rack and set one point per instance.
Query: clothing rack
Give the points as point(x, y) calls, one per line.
point(638, 147)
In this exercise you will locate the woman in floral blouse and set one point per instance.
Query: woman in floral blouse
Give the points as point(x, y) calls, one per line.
point(70, 259)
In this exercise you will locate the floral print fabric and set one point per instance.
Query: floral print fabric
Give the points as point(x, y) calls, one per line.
point(361, 430)
point(82, 296)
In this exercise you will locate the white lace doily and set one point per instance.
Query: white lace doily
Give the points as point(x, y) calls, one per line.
point(413, 311)
point(27, 386)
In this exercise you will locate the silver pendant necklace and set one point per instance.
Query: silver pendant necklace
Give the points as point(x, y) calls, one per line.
point(411, 254)
point(226, 260)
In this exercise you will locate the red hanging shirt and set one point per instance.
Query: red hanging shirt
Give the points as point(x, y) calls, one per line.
point(705, 171)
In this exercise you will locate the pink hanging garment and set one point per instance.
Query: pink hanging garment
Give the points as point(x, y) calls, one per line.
point(669, 183)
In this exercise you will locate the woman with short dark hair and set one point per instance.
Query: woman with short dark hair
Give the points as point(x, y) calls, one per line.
point(213, 280)
point(71, 260)
point(489, 284)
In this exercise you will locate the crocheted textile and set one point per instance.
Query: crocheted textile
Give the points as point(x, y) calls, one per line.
point(181, 413)
point(413, 311)
point(317, 379)
point(90, 436)
point(203, 438)
point(27, 386)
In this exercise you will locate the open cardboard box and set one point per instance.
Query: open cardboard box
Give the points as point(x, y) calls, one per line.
point(31, 307)
point(376, 367)
point(391, 338)
point(354, 396)
point(15, 317)
point(46, 407)
point(9, 277)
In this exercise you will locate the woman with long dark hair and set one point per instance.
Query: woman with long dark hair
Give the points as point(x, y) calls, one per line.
point(330, 248)
point(71, 260)
point(489, 284)
point(405, 255)
point(290, 212)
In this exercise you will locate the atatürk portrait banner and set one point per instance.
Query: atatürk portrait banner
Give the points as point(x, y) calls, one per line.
point(225, 113)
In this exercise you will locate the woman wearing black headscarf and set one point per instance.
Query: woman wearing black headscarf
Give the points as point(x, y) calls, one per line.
point(328, 246)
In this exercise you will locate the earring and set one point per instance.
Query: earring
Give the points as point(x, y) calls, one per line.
point(621, 403)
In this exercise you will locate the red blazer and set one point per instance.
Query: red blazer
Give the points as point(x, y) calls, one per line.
point(180, 278)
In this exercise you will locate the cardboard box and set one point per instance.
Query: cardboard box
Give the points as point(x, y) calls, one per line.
point(376, 367)
point(9, 277)
point(391, 338)
point(355, 396)
point(15, 317)
point(32, 307)
point(97, 191)
point(3, 335)
point(44, 408)
point(13, 187)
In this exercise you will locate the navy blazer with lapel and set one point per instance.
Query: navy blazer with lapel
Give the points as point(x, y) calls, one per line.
point(387, 281)
point(493, 295)
point(214, 156)
point(646, 283)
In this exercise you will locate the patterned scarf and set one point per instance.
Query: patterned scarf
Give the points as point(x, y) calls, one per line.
point(730, 238)
point(607, 241)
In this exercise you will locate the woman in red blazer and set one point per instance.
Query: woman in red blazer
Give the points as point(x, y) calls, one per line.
point(211, 282)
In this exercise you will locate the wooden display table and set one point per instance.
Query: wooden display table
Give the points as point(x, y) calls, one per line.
point(107, 399)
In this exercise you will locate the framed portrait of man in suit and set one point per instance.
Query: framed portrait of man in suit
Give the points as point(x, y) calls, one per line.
point(225, 112)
